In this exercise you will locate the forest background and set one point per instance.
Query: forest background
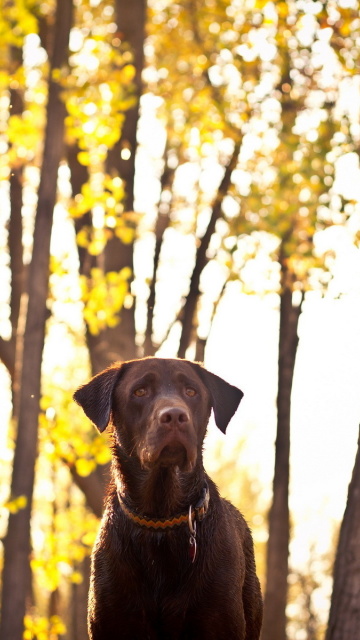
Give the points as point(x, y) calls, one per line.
point(182, 179)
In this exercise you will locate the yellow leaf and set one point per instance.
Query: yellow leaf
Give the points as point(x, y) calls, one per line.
point(82, 238)
point(97, 245)
point(57, 625)
point(89, 538)
point(84, 158)
point(125, 234)
point(16, 504)
point(84, 467)
point(112, 322)
point(21, 502)
point(128, 73)
point(125, 273)
point(4, 79)
point(76, 577)
point(56, 74)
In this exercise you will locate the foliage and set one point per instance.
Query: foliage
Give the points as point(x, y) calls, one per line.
point(17, 20)
point(13, 506)
point(41, 628)
point(63, 529)
point(103, 296)
point(64, 436)
point(97, 92)
point(271, 75)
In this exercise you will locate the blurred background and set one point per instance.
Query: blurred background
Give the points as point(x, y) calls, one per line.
point(180, 179)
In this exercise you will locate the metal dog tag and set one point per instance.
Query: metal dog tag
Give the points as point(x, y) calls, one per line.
point(192, 539)
point(192, 548)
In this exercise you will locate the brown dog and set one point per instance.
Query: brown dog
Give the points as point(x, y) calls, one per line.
point(173, 560)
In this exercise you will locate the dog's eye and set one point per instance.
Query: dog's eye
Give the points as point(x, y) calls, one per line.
point(190, 392)
point(140, 392)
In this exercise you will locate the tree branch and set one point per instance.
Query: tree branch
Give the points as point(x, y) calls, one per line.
point(189, 309)
point(162, 223)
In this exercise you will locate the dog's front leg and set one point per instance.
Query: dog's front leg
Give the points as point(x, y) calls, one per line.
point(132, 627)
point(118, 607)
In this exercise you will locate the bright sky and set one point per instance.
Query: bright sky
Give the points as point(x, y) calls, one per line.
point(325, 410)
point(325, 404)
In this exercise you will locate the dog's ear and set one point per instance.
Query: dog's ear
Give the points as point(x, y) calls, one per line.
point(95, 397)
point(225, 398)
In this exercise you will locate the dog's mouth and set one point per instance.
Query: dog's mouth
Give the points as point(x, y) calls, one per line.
point(173, 455)
point(169, 454)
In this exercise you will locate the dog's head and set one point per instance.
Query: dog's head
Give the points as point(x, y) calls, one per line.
point(159, 407)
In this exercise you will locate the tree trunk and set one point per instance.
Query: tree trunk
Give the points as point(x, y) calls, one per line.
point(8, 347)
point(114, 343)
point(16, 267)
point(118, 343)
point(130, 18)
point(79, 175)
point(274, 622)
point(16, 571)
point(15, 223)
point(93, 486)
point(18, 271)
point(344, 618)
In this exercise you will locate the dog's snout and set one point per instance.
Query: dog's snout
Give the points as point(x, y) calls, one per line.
point(174, 416)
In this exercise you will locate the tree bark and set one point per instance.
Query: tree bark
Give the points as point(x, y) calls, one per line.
point(118, 343)
point(15, 246)
point(189, 309)
point(79, 175)
point(274, 621)
point(93, 486)
point(16, 573)
point(344, 617)
point(8, 347)
point(16, 259)
point(18, 302)
point(130, 17)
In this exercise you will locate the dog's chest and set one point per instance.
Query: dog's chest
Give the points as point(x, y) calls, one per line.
point(164, 562)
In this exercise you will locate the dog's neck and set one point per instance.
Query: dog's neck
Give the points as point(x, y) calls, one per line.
point(160, 492)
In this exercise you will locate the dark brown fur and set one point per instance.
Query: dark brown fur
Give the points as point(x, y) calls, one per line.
point(144, 584)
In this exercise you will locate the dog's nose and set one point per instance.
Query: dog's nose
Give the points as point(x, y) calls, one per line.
point(174, 417)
